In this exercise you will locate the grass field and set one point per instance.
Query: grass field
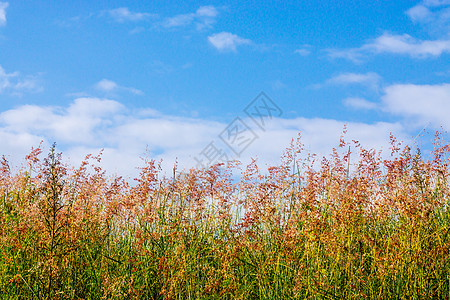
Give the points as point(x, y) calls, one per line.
point(377, 230)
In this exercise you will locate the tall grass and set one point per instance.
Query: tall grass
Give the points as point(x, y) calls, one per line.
point(297, 231)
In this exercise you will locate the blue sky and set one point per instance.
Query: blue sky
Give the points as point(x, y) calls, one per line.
point(170, 76)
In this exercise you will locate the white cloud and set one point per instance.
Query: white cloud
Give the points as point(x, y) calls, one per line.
point(225, 41)
point(203, 17)
point(108, 86)
point(369, 79)
point(94, 107)
point(89, 124)
point(15, 84)
point(359, 103)
point(123, 14)
point(3, 7)
point(75, 124)
point(422, 104)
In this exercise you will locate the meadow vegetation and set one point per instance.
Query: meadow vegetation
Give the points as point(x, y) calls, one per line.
point(310, 228)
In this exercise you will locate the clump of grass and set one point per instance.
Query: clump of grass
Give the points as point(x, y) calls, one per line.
point(297, 231)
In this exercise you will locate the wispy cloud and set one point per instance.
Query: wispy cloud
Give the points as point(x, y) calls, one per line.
point(179, 20)
point(406, 44)
point(304, 50)
point(433, 14)
point(123, 14)
point(278, 85)
point(161, 67)
point(76, 21)
point(203, 17)
point(355, 55)
point(225, 41)
point(108, 86)
point(119, 15)
point(394, 44)
point(359, 103)
point(3, 7)
point(370, 79)
point(419, 13)
point(16, 84)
